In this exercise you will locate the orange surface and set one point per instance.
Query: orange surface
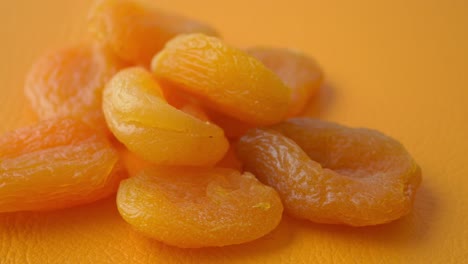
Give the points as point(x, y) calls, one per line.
point(396, 66)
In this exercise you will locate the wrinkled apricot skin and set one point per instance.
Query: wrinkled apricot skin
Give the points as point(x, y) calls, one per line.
point(298, 71)
point(136, 31)
point(223, 78)
point(205, 207)
point(329, 173)
point(55, 164)
point(69, 83)
point(139, 116)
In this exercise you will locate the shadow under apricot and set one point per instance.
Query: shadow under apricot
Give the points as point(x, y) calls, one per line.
point(47, 222)
point(409, 231)
point(272, 242)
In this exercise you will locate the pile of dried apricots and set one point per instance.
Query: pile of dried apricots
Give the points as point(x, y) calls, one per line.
point(200, 140)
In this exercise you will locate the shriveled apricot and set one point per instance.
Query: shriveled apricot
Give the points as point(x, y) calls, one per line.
point(191, 208)
point(69, 83)
point(136, 31)
point(141, 119)
point(329, 173)
point(55, 164)
point(223, 78)
point(298, 71)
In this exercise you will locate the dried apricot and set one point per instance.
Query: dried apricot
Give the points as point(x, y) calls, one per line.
point(55, 164)
point(133, 163)
point(329, 173)
point(178, 98)
point(69, 82)
point(195, 110)
point(136, 31)
point(140, 117)
point(298, 71)
point(191, 208)
point(232, 127)
point(223, 78)
point(230, 160)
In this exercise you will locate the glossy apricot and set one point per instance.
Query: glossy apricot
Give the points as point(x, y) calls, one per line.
point(199, 207)
point(139, 116)
point(69, 83)
point(298, 71)
point(223, 78)
point(55, 164)
point(328, 173)
point(136, 31)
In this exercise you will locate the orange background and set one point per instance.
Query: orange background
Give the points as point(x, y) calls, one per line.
point(398, 66)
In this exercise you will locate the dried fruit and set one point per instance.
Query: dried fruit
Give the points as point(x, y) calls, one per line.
point(329, 173)
point(133, 163)
point(69, 83)
point(195, 110)
point(230, 160)
point(232, 127)
point(136, 31)
point(140, 117)
point(55, 164)
point(199, 207)
point(298, 71)
point(223, 78)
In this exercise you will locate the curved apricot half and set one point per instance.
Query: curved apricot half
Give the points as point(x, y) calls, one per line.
point(199, 207)
point(55, 164)
point(142, 120)
point(137, 31)
point(69, 83)
point(223, 78)
point(329, 173)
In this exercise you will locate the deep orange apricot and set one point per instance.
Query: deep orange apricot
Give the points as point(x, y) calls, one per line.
point(69, 83)
point(195, 111)
point(137, 31)
point(298, 71)
point(232, 127)
point(328, 173)
point(182, 100)
point(230, 160)
point(55, 164)
point(139, 116)
point(132, 162)
point(199, 207)
point(223, 78)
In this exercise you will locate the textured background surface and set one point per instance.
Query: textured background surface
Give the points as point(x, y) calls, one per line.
point(399, 66)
